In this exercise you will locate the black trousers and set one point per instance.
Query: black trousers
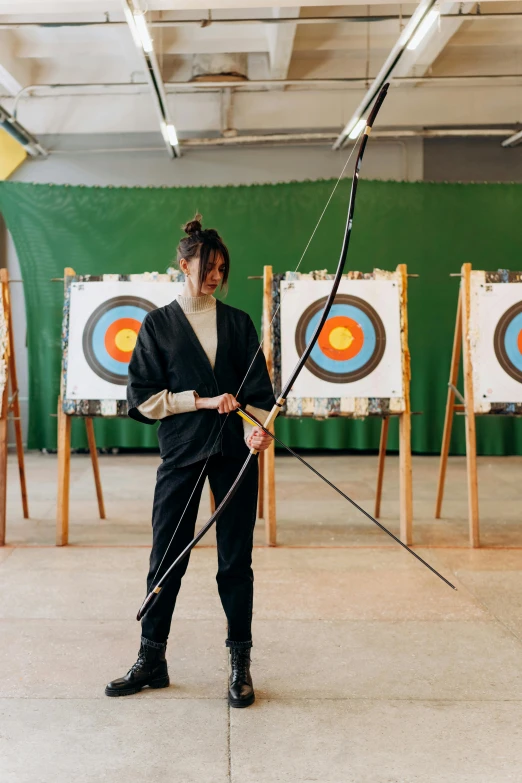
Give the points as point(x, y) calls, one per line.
point(234, 532)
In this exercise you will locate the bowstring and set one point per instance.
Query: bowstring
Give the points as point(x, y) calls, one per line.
point(259, 348)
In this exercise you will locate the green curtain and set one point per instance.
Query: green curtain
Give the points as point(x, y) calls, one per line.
point(433, 228)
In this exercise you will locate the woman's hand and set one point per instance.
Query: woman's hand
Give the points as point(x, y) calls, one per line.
point(259, 440)
point(225, 403)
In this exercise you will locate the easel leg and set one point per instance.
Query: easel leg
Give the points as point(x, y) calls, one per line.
point(471, 435)
point(450, 406)
point(89, 426)
point(20, 454)
point(471, 458)
point(405, 479)
point(261, 492)
point(64, 474)
point(3, 466)
point(380, 468)
point(15, 404)
point(4, 294)
point(270, 514)
point(269, 453)
point(212, 501)
point(405, 482)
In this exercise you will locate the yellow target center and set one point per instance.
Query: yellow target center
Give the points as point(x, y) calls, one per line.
point(341, 338)
point(126, 340)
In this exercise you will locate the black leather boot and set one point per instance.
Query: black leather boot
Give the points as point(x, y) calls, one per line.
point(240, 689)
point(150, 669)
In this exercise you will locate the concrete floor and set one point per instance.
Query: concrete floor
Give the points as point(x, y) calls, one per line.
point(368, 669)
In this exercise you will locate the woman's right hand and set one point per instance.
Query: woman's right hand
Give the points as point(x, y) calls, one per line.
point(224, 403)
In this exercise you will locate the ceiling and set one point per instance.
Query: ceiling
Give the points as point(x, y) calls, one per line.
point(290, 75)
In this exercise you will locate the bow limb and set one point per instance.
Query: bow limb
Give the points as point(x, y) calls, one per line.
point(153, 594)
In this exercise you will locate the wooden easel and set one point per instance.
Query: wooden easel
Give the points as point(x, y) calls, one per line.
point(267, 458)
point(10, 408)
point(64, 460)
point(466, 406)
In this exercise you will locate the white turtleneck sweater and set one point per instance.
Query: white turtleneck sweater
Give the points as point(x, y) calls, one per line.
point(200, 312)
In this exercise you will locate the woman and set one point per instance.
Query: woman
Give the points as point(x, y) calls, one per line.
point(190, 359)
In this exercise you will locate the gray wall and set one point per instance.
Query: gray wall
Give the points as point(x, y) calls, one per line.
point(99, 161)
point(471, 160)
point(218, 166)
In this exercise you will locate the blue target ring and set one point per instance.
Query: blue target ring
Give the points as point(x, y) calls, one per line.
point(351, 343)
point(110, 334)
point(507, 342)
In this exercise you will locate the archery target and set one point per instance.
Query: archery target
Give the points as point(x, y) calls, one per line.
point(104, 321)
point(495, 341)
point(358, 352)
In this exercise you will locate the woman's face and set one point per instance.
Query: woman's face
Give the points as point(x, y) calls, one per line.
point(214, 274)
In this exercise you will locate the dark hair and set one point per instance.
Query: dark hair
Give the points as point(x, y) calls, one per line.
point(203, 244)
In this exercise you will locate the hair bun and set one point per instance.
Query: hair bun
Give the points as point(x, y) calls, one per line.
point(194, 225)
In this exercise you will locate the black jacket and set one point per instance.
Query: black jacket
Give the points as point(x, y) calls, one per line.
point(168, 355)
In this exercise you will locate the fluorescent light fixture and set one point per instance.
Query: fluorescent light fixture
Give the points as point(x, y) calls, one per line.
point(357, 128)
point(21, 134)
point(513, 140)
point(169, 134)
point(143, 33)
point(130, 21)
point(423, 29)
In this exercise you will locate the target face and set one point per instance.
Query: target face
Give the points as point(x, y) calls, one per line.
point(102, 325)
point(351, 343)
point(495, 330)
point(110, 335)
point(358, 353)
point(508, 341)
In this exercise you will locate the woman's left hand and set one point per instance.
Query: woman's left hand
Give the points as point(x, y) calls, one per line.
point(259, 440)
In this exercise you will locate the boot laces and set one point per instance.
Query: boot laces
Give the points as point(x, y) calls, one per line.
point(240, 665)
point(136, 667)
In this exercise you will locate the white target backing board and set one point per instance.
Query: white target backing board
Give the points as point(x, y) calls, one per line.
point(359, 351)
point(495, 337)
point(104, 320)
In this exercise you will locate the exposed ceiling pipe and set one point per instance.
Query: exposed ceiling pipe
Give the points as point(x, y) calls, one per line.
point(261, 20)
point(292, 138)
point(305, 138)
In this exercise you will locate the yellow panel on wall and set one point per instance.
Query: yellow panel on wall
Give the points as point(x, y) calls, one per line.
point(12, 154)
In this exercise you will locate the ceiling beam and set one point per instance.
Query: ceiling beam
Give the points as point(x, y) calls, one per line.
point(44, 8)
point(281, 42)
point(15, 72)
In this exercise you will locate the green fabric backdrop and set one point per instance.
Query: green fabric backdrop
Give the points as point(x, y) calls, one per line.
point(433, 228)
